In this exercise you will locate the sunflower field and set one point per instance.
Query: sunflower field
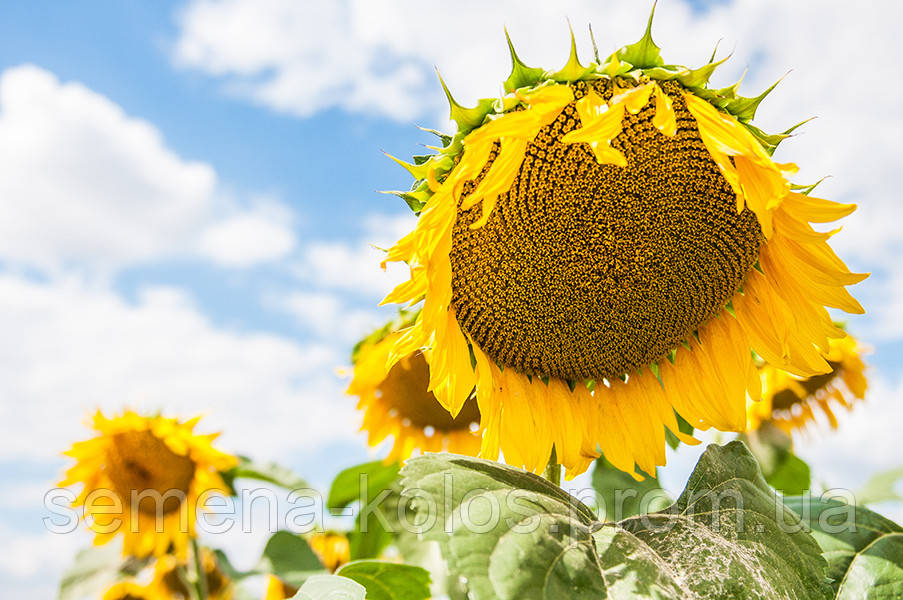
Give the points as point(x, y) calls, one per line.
point(608, 266)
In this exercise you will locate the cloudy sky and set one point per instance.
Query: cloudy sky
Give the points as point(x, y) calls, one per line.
point(188, 194)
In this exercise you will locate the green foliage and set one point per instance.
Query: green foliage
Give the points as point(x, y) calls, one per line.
point(332, 587)
point(621, 496)
point(94, 569)
point(783, 470)
point(880, 487)
point(371, 477)
point(864, 550)
point(268, 472)
point(289, 557)
point(388, 581)
point(512, 535)
point(375, 486)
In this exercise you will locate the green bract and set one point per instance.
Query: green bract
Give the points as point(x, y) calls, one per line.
point(639, 61)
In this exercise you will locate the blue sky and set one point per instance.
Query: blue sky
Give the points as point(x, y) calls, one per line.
point(142, 143)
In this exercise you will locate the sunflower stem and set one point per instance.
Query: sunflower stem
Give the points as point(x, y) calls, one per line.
point(200, 580)
point(553, 469)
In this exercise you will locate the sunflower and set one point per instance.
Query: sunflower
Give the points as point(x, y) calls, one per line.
point(791, 402)
point(169, 583)
point(603, 249)
point(129, 590)
point(331, 548)
point(146, 477)
point(396, 402)
point(278, 589)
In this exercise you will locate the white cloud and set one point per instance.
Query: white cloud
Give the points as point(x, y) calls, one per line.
point(82, 181)
point(328, 316)
point(31, 554)
point(85, 185)
point(247, 239)
point(77, 347)
point(866, 441)
point(354, 267)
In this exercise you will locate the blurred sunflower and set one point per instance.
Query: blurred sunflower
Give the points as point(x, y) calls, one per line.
point(791, 402)
point(129, 590)
point(145, 477)
point(606, 245)
point(331, 548)
point(278, 589)
point(396, 400)
point(169, 583)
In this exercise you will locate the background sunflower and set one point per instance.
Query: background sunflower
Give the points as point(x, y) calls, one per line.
point(145, 478)
point(396, 401)
point(792, 403)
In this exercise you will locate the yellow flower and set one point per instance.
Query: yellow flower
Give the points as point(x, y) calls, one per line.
point(790, 402)
point(278, 589)
point(331, 548)
point(604, 248)
point(129, 590)
point(169, 584)
point(146, 477)
point(396, 402)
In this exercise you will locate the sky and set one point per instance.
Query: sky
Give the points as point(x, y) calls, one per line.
point(190, 216)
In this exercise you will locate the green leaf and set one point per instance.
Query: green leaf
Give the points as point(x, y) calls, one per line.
point(864, 550)
point(388, 581)
point(791, 475)
point(511, 534)
point(330, 587)
point(880, 487)
point(289, 557)
point(361, 483)
point(95, 569)
point(269, 472)
point(783, 470)
point(375, 485)
point(378, 525)
point(621, 496)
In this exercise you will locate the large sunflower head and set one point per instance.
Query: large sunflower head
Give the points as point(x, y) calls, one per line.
point(169, 582)
point(791, 402)
point(603, 249)
point(146, 477)
point(396, 401)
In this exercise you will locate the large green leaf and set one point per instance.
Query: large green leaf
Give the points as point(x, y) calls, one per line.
point(621, 496)
point(512, 535)
point(269, 472)
point(864, 550)
point(388, 581)
point(330, 587)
